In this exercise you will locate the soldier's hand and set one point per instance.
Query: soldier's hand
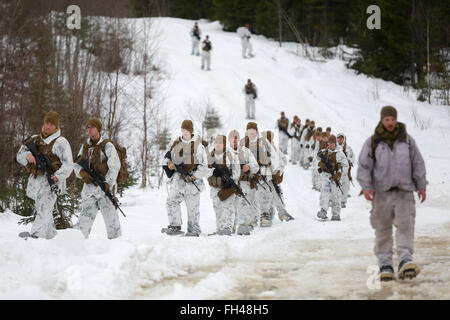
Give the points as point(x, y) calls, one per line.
point(323, 167)
point(85, 176)
point(245, 168)
point(336, 177)
point(171, 165)
point(422, 195)
point(31, 159)
point(368, 194)
point(106, 187)
point(189, 179)
point(54, 178)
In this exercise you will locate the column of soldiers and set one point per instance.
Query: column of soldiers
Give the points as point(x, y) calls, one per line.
point(244, 175)
point(329, 158)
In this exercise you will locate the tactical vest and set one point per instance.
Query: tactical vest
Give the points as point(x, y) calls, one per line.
point(265, 161)
point(309, 134)
point(297, 134)
point(249, 89)
point(331, 158)
point(190, 164)
point(283, 123)
point(206, 46)
point(93, 155)
point(44, 149)
point(213, 181)
point(303, 129)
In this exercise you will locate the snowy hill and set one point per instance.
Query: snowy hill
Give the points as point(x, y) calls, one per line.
point(296, 260)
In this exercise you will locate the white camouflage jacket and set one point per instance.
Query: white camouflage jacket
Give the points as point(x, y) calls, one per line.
point(62, 150)
point(110, 177)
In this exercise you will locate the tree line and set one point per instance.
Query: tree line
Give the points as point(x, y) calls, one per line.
point(79, 73)
point(411, 48)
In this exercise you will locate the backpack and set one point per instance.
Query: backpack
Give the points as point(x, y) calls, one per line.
point(123, 174)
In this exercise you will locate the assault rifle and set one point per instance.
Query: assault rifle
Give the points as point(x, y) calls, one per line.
point(285, 131)
point(180, 168)
point(278, 191)
point(97, 180)
point(42, 163)
point(228, 180)
point(329, 169)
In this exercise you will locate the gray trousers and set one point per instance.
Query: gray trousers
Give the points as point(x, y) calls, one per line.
point(393, 208)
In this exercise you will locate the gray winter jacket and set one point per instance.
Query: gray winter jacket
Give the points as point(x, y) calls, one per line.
point(402, 167)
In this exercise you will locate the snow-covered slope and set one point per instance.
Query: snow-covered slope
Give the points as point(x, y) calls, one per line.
point(299, 259)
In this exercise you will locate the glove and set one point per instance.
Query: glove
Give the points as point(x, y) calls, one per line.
point(171, 165)
point(86, 176)
point(323, 166)
point(336, 177)
point(106, 187)
point(301, 145)
point(189, 178)
point(310, 159)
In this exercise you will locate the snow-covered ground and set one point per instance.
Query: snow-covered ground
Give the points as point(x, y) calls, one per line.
point(302, 259)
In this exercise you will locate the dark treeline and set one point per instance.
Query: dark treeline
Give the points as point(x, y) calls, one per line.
point(46, 66)
point(411, 48)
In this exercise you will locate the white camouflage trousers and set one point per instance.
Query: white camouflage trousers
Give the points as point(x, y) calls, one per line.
point(295, 151)
point(284, 141)
point(315, 176)
point(345, 186)
point(301, 155)
point(246, 47)
point(225, 212)
point(278, 204)
point(305, 155)
point(195, 46)
point(180, 191)
point(250, 106)
point(329, 191)
point(206, 60)
point(265, 197)
point(245, 212)
point(89, 210)
point(43, 225)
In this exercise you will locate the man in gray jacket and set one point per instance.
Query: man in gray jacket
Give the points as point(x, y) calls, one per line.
point(390, 169)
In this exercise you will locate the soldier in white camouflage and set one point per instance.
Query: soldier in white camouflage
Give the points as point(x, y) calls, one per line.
point(283, 133)
point(332, 164)
point(268, 162)
point(346, 176)
point(223, 163)
point(50, 143)
point(249, 167)
point(294, 131)
point(103, 158)
point(277, 179)
point(189, 152)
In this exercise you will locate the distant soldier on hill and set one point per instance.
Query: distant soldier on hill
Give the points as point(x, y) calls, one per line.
point(245, 35)
point(195, 37)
